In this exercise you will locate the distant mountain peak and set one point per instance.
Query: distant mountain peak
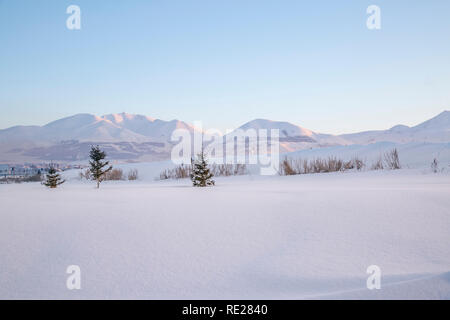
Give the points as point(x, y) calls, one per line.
point(441, 121)
point(286, 128)
point(399, 127)
point(123, 116)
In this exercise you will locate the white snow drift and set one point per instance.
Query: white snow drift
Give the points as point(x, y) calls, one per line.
point(308, 236)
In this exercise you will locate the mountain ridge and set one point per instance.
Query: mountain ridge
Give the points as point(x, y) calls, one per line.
point(134, 135)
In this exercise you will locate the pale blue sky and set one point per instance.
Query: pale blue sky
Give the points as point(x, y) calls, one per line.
point(225, 62)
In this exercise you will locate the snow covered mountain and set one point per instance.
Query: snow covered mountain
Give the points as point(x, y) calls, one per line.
point(141, 138)
point(88, 127)
point(294, 137)
point(148, 127)
point(123, 135)
point(435, 130)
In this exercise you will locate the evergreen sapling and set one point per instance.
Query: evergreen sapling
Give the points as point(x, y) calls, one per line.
point(53, 179)
point(97, 164)
point(201, 176)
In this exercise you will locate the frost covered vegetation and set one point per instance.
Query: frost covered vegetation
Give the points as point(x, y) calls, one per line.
point(289, 166)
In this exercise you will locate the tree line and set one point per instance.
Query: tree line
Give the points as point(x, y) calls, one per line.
point(100, 170)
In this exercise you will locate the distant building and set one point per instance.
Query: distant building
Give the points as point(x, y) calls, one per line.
point(4, 170)
point(19, 170)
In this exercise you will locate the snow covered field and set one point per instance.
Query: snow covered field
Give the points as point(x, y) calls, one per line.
point(308, 236)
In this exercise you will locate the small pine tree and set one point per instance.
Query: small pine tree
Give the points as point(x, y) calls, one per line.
point(434, 166)
point(201, 175)
point(97, 164)
point(53, 179)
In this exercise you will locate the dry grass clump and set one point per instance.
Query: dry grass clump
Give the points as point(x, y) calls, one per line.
point(184, 171)
point(332, 164)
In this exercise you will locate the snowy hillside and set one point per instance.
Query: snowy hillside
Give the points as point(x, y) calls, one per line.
point(435, 130)
point(308, 236)
point(293, 137)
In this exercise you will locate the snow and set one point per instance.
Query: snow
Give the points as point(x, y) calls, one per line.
point(250, 237)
